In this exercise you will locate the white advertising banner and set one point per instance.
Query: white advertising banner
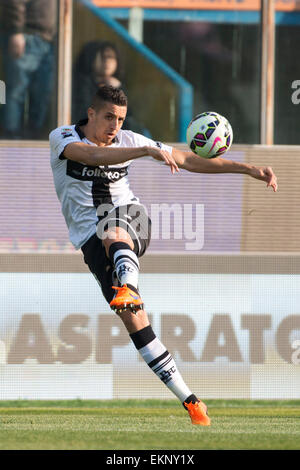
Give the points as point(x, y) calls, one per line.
point(232, 336)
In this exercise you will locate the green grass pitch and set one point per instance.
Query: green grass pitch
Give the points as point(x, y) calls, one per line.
point(147, 424)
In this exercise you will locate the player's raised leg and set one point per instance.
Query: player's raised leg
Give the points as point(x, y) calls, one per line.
point(119, 247)
point(162, 363)
point(120, 250)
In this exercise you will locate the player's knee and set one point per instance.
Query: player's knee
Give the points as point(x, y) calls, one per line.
point(115, 236)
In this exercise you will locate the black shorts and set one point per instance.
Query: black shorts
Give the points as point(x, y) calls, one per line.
point(134, 219)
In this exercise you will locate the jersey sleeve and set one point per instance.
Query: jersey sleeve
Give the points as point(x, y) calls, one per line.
point(141, 140)
point(59, 138)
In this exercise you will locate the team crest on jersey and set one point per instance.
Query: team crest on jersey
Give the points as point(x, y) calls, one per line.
point(67, 132)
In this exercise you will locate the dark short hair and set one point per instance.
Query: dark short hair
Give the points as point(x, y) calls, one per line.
point(108, 94)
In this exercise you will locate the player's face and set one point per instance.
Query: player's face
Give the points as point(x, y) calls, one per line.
point(107, 122)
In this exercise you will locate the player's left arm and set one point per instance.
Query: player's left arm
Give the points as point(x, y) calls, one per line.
point(191, 162)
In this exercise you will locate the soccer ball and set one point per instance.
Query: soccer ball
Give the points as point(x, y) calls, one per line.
point(209, 135)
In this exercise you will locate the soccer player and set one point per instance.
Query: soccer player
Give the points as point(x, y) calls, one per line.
point(106, 221)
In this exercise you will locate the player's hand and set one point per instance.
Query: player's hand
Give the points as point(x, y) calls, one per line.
point(163, 155)
point(265, 174)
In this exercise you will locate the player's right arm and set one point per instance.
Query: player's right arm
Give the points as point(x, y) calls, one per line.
point(72, 148)
point(95, 156)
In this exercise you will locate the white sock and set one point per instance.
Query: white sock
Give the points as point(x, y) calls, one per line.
point(127, 267)
point(160, 361)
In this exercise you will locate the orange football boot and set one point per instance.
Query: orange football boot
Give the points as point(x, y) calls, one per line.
point(126, 298)
point(198, 413)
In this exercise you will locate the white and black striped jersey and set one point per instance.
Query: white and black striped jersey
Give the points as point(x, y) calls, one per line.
point(81, 188)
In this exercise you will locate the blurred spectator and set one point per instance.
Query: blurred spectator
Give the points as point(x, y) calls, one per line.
point(29, 29)
point(98, 63)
